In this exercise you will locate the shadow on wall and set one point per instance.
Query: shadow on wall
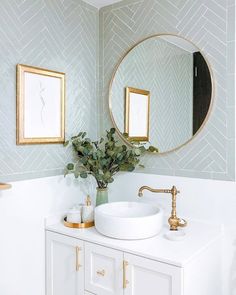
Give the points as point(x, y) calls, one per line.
point(86, 187)
point(233, 273)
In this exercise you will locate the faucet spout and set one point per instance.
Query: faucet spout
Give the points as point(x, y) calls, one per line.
point(153, 190)
point(174, 221)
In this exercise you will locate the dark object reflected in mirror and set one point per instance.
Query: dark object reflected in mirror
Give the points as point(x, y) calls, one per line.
point(179, 81)
point(201, 90)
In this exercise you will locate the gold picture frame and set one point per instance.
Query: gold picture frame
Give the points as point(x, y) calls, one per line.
point(137, 114)
point(40, 106)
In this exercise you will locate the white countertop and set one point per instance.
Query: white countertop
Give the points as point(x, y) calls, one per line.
point(198, 237)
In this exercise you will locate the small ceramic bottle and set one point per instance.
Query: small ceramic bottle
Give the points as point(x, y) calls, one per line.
point(87, 211)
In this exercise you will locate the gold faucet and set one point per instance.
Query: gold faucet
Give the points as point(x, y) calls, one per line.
point(173, 221)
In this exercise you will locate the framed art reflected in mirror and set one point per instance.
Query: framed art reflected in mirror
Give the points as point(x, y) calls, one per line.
point(137, 106)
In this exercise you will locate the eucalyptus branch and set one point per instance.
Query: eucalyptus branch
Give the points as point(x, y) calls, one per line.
point(102, 159)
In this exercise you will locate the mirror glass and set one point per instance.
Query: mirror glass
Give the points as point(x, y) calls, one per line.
point(160, 93)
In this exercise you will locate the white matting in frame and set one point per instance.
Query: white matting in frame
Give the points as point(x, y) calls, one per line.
point(137, 113)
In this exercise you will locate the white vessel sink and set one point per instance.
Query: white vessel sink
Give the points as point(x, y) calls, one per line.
point(128, 220)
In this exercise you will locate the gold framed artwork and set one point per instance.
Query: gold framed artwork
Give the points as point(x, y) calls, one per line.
point(137, 113)
point(40, 106)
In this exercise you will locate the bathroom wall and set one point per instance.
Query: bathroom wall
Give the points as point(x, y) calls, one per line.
point(72, 27)
point(165, 70)
point(208, 24)
point(58, 35)
point(22, 212)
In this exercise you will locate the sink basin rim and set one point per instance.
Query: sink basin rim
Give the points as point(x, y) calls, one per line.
point(156, 210)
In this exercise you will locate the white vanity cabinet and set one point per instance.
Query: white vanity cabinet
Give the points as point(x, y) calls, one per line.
point(64, 265)
point(75, 267)
point(83, 262)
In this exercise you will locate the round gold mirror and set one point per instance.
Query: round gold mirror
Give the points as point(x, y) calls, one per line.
point(161, 93)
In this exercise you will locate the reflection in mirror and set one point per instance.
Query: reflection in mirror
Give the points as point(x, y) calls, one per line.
point(178, 87)
point(137, 114)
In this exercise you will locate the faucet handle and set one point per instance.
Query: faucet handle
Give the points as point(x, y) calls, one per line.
point(182, 222)
point(174, 190)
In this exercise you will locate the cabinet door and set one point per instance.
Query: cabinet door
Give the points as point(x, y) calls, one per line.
point(146, 276)
point(64, 265)
point(103, 273)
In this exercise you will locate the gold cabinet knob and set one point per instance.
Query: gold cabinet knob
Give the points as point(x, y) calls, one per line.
point(101, 273)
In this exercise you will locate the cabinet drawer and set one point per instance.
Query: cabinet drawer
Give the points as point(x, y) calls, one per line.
point(103, 271)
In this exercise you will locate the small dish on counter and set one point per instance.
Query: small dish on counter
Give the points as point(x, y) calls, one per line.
point(78, 225)
point(175, 235)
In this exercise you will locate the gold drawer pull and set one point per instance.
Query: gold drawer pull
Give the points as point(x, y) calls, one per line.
point(125, 281)
point(77, 264)
point(101, 273)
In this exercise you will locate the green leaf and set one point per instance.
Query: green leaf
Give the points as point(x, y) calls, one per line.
point(110, 153)
point(137, 152)
point(84, 160)
point(110, 180)
point(95, 156)
point(142, 149)
point(131, 168)
point(86, 151)
point(66, 143)
point(70, 166)
point(107, 175)
point(98, 176)
point(103, 162)
point(91, 162)
point(153, 149)
point(83, 174)
point(99, 153)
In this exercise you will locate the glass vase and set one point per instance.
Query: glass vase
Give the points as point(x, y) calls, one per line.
point(102, 196)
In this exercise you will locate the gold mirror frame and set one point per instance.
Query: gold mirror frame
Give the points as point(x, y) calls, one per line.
point(210, 106)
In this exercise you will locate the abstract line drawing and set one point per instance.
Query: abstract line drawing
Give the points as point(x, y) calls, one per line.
point(41, 91)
